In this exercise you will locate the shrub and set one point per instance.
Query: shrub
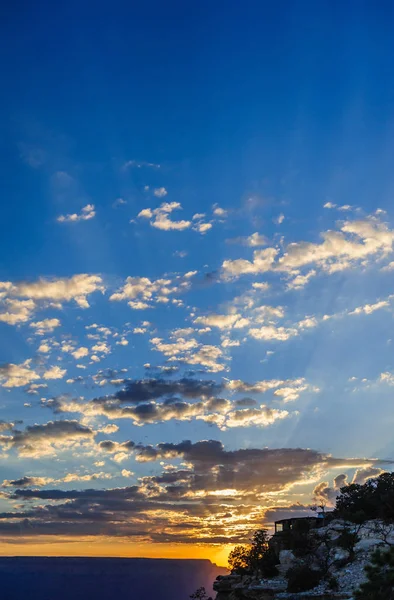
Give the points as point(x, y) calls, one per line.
point(199, 594)
point(268, 563)
point(347, 540)
point(333, 583)
point(302, 578)
point(380, 582)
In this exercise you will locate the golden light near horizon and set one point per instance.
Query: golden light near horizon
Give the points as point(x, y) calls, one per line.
point(217, 554)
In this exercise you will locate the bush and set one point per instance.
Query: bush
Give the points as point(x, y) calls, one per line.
point(302, 578)
point(199, 594)
point(347, 540)
point(380, 582)
point(268, 563)
point(333, 583)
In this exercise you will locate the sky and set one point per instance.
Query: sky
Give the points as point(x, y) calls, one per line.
point(196, 274)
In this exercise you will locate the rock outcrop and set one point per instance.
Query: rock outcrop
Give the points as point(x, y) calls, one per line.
point(345, 566)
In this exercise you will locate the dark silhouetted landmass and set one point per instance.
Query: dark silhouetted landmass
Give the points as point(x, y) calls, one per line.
point(40, 578)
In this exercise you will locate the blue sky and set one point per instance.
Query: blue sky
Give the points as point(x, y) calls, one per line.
point(197, 239)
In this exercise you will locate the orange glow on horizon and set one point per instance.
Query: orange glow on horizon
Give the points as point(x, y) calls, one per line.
point(115, 548)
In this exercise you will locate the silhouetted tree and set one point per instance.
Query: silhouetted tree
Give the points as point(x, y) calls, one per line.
point(258, 557)
point(238, 560)
point(199, 594)
point(372, 500)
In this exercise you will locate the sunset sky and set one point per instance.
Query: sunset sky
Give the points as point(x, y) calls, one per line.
point(197, 269)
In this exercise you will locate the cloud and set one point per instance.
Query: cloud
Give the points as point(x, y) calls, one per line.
point(356, 242)
point(27, 481)
point(80, 352)
point(191, 352)
point(272, 332)
point(362, 475)
point(76, 288)
point(220, 321)
point(139, 164)
point(12, 375)
point(16, 311)
point(160, 192)
point(88, 212)
point(370, 308)
point(252, 241)
point(45, 326)
point(279, 219)
point(300, 281)
point(217, 496)
point(324, 494)
point(40, 440)
point(54, 373)
point(119, 202)
point(202, 227)
point(263, 261)
point(158, 400)
point(219, 212)
point(34, 387)
point(160, 217)
point(141, 291)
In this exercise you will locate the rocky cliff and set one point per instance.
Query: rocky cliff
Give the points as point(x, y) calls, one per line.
point(343, 574)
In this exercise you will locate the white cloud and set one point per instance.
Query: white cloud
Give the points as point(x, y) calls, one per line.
point(255, 417)
point(202, 227)
point(264, 286)
point(263, 261)
point(219, 212)
point(54, 373)
point(356, 242)
point(370, 308)
point(329, 205)
point(12, 375)
point(161, 219)
point(160, 192)
point(16, 311)
point(75, 288)
point(119, 202)
point(45, 326)
point(300, 281)
point(44, 347)
point(389, 267)
point(87, 213)
point(101, 347)
point(80, 352)
point(272, 332)
point(220, 321)
point(139, 164)
point(141, 291)
point(191, 352)
point(279, 219)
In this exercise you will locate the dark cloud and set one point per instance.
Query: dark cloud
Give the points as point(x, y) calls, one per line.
point(217, 495)
point(245, 402)
point(143, 390)
point(21, 482)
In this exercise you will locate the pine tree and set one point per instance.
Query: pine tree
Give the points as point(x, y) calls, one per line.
point(380, 582)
